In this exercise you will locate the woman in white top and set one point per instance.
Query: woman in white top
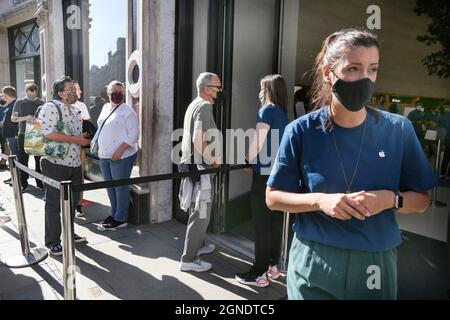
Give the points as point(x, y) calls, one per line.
point(116, 139)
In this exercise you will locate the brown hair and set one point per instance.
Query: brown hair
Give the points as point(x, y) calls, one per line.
point(275, 90)
point(31, 87)
point(59, 85)
point(334, 48)
point(10, 91)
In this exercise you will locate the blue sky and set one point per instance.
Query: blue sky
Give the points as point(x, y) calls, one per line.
point(108, 23)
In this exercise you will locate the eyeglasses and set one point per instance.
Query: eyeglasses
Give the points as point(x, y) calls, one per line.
point(217, 87)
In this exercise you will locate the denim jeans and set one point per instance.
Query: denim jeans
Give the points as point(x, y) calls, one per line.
point(13, 145)
point(119, 196)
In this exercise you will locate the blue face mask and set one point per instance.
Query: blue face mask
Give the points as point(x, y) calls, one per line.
point(354, 95)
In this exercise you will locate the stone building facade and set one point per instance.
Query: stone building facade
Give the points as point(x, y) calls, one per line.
point(167, 43)
point(114, 69)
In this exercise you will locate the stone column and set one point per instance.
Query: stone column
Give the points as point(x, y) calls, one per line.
point(156, 101)
point(86, 26)
point(288, 51)
point(4, 58)
point(49, 17)
point(42, 21)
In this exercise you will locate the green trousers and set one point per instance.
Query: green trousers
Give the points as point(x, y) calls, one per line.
point(322, 272)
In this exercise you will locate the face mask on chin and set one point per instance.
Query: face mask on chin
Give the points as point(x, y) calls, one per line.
point(354, 95)
point(31, 98)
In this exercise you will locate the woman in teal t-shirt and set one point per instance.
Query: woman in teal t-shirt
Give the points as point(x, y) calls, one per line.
point(345, 168)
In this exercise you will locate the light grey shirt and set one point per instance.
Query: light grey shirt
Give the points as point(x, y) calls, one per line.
point(199, 115)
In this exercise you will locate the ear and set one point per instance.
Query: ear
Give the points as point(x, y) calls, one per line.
point(327, 75)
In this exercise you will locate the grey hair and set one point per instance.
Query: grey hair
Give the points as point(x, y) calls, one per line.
point(204, 79)
point(112, 84)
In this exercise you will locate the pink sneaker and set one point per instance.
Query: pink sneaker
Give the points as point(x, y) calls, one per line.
point(273, 272)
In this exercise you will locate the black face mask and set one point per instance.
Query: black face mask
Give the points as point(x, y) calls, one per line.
point(117, 97)
point(220, 97)
point(354, 95)
point(2, 102)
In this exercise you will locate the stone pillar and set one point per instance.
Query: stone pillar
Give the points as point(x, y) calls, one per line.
point(288, 51)
point(4, 58)
point(156, 100)
point(49, 17)
point(86, 26)
point(42, 21)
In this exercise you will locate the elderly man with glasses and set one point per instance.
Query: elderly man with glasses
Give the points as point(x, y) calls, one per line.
point(197, 149)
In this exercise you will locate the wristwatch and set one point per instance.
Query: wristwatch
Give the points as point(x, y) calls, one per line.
point(398, 203)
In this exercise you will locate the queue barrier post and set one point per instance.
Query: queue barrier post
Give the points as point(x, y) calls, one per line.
point(29, 256)
point(285, 244)
point(69, 262)
point(435, 203)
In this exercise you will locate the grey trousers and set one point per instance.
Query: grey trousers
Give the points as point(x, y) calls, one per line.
point(195, 233)
point(52, 199)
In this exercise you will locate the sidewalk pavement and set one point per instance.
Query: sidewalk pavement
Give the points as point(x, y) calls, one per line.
point(136, 263)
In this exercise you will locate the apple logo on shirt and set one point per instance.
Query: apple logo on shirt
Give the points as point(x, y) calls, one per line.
point(382, 154)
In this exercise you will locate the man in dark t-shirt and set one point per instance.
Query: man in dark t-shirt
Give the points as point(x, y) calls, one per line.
point(9, 128)
point(24, 110)
point(2, 139)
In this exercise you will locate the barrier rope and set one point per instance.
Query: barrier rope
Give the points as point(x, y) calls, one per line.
point(124, 182)
point(41, 177)
point(154, 178)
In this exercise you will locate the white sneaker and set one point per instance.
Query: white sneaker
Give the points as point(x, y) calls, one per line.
point(207, 249)
point(197, 266)
point(80, 214)
point(4, 218)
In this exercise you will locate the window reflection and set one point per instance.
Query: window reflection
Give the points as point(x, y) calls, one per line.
point(24, 51)
point(24, 74)
point(107, 46)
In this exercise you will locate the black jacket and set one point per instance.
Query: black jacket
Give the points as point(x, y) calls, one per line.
point(10, 129)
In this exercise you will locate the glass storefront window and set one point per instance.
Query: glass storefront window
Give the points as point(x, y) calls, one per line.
point(24, 54)
point(26, 40)
point(108, 31)
point(107, 46)
point(249, 32)
point(24, 74)
point(135, 25)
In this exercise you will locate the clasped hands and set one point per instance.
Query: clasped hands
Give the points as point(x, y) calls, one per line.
point(361, 205)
